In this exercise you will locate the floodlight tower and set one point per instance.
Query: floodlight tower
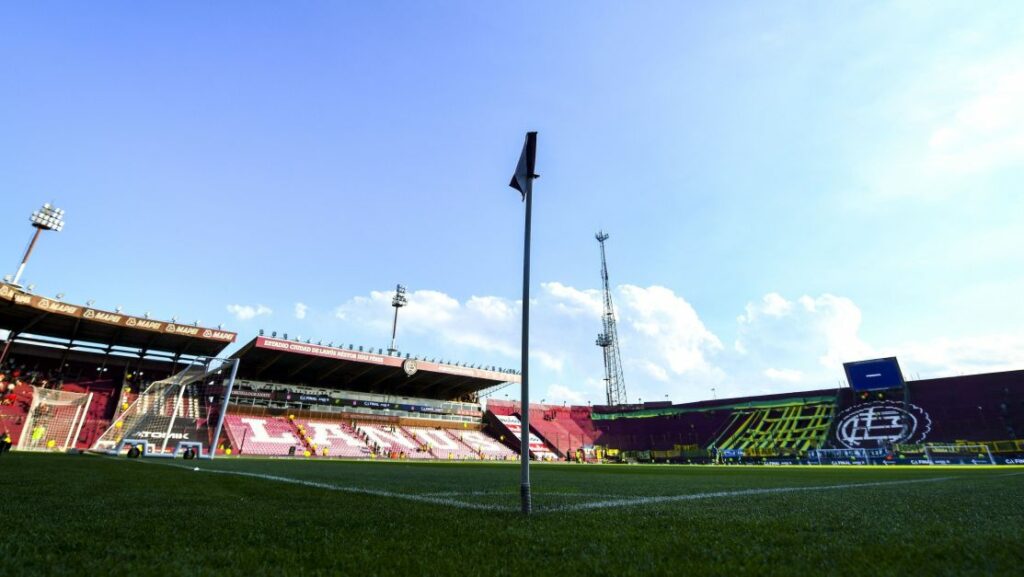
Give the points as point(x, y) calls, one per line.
point(398, 302)
point(46, 218)
point(608, 340)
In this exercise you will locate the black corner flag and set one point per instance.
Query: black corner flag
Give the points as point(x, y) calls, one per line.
point(522, 181)
point(526, 166)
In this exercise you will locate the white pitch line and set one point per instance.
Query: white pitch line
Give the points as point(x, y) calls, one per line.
point(438, 498)
point(465, 493)
point(725, 494)
point(345, 489)
point(513, 493)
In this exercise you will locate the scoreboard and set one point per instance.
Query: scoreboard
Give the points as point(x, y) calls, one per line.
point(874, 374)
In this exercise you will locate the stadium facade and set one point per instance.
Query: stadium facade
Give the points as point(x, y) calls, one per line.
point(75, 377)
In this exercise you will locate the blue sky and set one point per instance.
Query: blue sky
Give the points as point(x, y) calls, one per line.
point(787, 185)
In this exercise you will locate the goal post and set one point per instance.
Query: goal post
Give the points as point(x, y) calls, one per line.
point(840, 456)
point(959, 454)
point(184, 410)
point(54, 420)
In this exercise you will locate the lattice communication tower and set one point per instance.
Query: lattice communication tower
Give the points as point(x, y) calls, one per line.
point(608, 339)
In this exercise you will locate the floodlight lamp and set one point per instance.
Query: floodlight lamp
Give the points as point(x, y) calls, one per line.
point(90, 302)
point(399, 299)
point(60, 296)
point(174, 319)
point(117, 309)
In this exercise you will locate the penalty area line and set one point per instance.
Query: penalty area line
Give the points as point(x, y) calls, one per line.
point(639, 501)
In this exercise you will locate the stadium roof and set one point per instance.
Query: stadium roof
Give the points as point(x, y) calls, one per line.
point(293, 362)
point(24, 312)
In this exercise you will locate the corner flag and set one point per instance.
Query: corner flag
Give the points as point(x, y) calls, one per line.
point(522, 181)
point(527, 163)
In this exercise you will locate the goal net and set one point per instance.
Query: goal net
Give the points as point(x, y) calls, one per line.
point(830, 456)
point(183, 411)
point(959, 455)
point(54, 420)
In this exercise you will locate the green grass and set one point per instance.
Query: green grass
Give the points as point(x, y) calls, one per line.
point(88, 515)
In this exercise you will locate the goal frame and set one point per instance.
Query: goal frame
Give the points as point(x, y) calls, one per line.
point(159, 447)
point(862, 456)
point(957, 450)
point(25, 442)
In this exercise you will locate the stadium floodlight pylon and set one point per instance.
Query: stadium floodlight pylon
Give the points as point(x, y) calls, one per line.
point(54, 420)
point(183, 411)
point(608, 340)
point(46, 218)
point(398, 302)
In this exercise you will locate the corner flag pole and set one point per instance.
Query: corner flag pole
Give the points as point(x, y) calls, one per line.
point(523, 182)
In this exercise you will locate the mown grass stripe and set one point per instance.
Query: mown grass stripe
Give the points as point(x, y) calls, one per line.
point(638, 501)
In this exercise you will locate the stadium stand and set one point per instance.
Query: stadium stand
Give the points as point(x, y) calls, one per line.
point(267, 436)
point(442, 444)
point(510, 428)
point(560, 427)
point(14, 406)
point(769, 432)
point(338, 438)
point(486, 446)
point(390, 441)
point(352, 402)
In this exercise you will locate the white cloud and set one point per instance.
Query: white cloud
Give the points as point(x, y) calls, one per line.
point(488, 324)
point(819, 334)
point(825, 328)
point(654, 370)
point(670, 327)
point(958, 119)
point(783, 375)
point(300, 310)
point(943, 357)
point(775, 305)
point(247, 312)
point(781, 344)
point(494, 309)
point(575, 302)
point(556, 394)
point(663, 341)
point(547, 360)
point(986, 130)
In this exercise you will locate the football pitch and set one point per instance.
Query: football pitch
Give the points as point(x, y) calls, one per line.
point(89, 515)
